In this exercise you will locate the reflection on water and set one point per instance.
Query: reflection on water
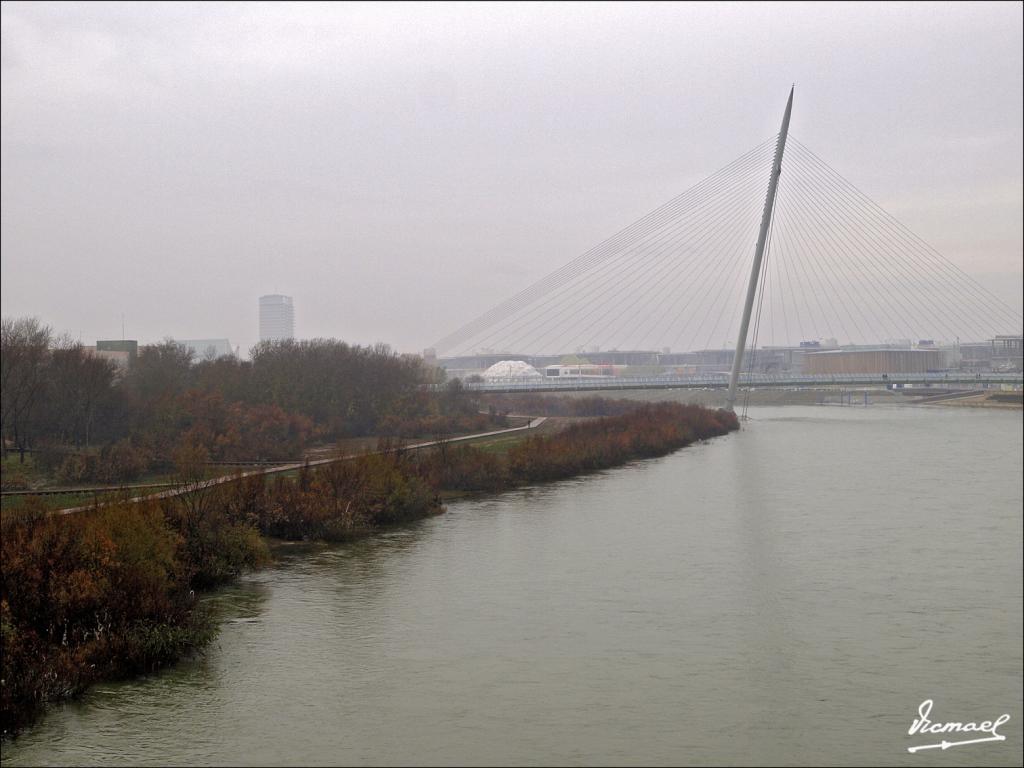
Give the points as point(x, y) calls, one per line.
point(789, 594)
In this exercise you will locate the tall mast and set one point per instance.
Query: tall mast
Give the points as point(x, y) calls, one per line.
point(755, 269)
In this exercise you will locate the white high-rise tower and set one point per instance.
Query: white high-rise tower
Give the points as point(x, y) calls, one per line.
point(277, 318)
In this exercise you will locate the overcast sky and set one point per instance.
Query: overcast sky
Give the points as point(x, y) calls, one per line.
point(399, 169)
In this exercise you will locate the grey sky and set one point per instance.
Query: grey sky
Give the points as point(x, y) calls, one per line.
point(398, 169)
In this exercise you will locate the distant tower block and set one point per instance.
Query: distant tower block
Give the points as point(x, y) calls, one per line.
point(277, 318)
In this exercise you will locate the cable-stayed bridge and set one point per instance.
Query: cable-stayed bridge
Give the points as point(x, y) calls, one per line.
point(728, 264)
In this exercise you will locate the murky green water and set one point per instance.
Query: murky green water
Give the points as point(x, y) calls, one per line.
point(789, 594)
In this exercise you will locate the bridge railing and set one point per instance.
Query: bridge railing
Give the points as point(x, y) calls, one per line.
point(717, 381)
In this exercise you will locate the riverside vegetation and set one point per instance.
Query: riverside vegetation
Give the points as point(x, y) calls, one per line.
point(111, 591)
point(82, 420)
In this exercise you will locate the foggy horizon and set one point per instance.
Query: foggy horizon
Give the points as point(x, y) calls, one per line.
point(398, 170)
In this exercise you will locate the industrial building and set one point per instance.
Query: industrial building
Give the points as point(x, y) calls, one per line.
point(1008, 353)
point(975, 356)
point(277, 318)
point(701, 361)
point(582, 371)
point(872, 361)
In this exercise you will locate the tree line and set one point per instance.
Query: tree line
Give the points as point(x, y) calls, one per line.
point(86, 419)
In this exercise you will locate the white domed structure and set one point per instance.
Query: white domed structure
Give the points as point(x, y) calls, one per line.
point(511, 369)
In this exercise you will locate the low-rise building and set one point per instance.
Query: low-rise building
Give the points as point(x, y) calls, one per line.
point(870, 361)
point(581, 371)
point(129, 346)
point(1008, 353)
point(119, 357)
point(207, 349)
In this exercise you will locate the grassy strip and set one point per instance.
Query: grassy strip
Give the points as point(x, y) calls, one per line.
point(50, 501)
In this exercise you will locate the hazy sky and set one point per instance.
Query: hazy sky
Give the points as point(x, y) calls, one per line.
point(399, 169)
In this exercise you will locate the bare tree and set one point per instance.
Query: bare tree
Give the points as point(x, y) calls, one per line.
point(24, 347)
point(95, 379)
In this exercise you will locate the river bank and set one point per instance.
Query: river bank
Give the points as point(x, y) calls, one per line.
point(784, 595)
point(1011, 401)
point(110, 592)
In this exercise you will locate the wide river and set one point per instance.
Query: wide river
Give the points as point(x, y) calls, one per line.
point(788, 594)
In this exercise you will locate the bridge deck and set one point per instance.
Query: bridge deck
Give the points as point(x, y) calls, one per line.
point(970, 381)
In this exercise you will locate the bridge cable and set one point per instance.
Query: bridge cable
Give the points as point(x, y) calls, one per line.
point(708, 221)
point(854, 253)
point(923, 247)
point(862, 247)
point(628, 234)
point(933, 264)
point(705, 213)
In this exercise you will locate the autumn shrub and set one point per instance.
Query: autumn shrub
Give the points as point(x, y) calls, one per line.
point(346, 499)
point(121, 461)
point(642, 431)
point(94, 595)
point(463, 468)
point(114, 463)
point(73, 468)
point(216, 537)
point(110, 591)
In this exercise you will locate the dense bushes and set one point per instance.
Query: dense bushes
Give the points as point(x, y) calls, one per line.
point(651, 430)
point(107, 593)
point(646, 430)
point(452, 411)
point(113, 463)
point(463, 468)
point(234, 431)
point(346, 499)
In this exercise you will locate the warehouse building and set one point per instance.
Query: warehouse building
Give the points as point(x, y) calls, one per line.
point(867, 361)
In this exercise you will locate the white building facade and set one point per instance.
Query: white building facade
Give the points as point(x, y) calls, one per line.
point(277, 318)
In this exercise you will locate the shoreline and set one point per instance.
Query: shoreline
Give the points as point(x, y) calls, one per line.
point(807, 397)
point(222, 530)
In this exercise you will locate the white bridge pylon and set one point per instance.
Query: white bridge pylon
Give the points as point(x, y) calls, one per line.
point(762, 240)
